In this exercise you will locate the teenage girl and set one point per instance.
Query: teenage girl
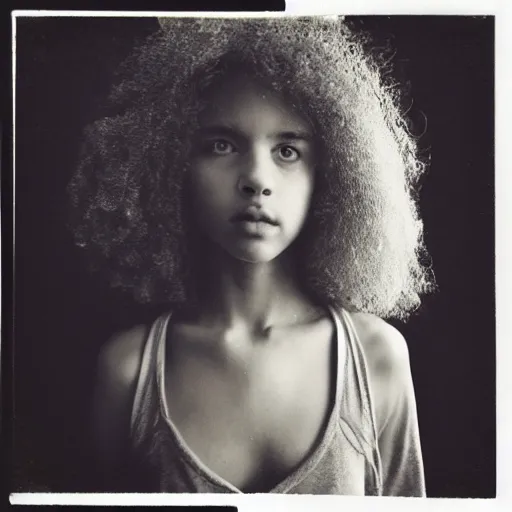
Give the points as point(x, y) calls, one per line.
point(256, 176)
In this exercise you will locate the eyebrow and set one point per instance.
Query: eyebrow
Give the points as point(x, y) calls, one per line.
point(298, 135)
point(206, 131)
point(230, 131)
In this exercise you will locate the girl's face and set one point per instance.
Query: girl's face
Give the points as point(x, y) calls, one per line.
point(252, 171)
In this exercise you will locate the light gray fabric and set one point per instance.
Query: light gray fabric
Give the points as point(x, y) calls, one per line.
point(346, 461)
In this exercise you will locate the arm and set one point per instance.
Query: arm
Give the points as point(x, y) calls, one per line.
point(117, 370)
point(395, 407)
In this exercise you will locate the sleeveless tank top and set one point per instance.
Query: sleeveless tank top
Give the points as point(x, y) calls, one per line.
point(346, 461)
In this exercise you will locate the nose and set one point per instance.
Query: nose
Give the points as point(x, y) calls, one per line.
point(256, 177)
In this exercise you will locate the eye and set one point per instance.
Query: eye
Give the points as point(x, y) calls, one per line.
point(221, 147)
point(288, 153)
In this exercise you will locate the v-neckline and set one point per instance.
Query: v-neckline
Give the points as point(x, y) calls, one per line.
point(308, 463)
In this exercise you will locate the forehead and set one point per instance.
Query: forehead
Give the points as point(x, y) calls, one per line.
point(244, 102)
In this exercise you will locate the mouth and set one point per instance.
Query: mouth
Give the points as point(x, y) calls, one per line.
point(254, 216)
point(255, 224)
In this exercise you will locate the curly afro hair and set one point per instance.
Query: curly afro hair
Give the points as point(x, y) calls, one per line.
point(362, 245)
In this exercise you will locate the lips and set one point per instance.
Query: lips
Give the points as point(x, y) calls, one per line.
point(254, 215)
point(255, 223)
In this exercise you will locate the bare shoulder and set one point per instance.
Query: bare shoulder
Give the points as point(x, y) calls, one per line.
point(118, 366)
point(384, 346)
point(387, 356)
point(119, 358)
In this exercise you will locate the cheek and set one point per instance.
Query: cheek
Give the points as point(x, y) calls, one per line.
point(298, 199)
point(211, 191)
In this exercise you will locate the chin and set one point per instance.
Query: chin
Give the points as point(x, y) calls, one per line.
point(254, 253)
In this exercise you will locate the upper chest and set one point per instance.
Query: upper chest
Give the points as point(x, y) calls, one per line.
point(250, 413)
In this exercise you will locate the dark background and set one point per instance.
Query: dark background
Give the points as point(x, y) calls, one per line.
point(63, 314)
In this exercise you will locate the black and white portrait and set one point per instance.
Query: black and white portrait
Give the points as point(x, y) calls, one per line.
point(255, 255)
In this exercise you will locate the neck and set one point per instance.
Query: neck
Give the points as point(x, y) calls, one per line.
point(252, 296)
